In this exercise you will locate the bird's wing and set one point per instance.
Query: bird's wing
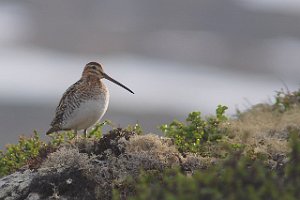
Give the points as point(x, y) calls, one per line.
point(68, 103)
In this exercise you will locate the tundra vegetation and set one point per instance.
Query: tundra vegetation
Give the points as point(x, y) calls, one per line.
point(253, 155)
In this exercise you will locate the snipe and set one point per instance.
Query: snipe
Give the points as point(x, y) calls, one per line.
point(85, 102)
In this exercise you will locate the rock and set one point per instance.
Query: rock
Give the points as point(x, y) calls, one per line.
point(33, 196)
point(16, 186)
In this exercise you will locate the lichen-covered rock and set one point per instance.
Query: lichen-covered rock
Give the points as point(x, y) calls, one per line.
point(16, 186)
point(63, 183)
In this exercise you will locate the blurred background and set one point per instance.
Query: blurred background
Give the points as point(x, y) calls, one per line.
point(177, 56)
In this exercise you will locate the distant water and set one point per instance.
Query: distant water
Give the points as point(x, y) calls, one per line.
point(32, 85)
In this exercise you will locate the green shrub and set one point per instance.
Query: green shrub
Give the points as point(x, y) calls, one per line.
point(17, 155)
point(136, 128)
point(97, 131)
point(292, 170)
point(189, 136)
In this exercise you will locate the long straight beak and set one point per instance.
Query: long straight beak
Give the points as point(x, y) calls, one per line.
point(116, 82)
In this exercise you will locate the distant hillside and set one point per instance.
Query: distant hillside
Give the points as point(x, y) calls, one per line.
point(211, 32)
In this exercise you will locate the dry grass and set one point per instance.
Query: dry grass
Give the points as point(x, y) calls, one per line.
point(67, 157)
point(265, 131)
point(153, 146)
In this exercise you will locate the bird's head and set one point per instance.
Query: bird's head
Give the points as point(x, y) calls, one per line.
point(94, 69)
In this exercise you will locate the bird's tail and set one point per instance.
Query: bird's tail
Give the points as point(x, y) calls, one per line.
point(52, 130)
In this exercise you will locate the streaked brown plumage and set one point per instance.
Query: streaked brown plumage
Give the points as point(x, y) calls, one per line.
point(85, 102)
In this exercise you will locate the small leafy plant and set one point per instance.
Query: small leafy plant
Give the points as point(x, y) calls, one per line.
point(189, 136)
point(97, 132)
point(17, 155)
point(136, 128)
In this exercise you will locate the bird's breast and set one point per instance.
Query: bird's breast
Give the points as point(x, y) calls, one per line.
point(88, 112)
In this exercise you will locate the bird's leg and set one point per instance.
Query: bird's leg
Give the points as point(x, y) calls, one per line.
point(85, 133)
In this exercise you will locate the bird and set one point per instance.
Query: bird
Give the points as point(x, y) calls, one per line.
point(85, 102)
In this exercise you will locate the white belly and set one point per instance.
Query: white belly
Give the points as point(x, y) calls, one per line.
point(88, 113)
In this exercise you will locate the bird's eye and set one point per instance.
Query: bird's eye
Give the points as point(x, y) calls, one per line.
point(94, 67)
